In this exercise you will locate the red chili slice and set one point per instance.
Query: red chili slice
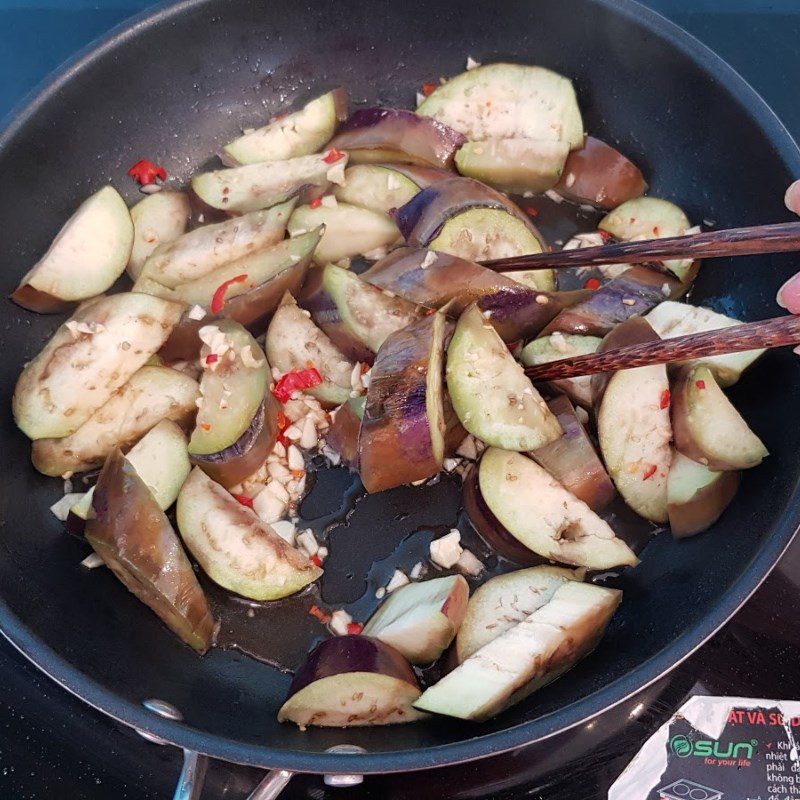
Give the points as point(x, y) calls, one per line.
point(354, 628)
point(317, 612)
point(592, 283)
point(218, 300)
point(315, 560)
point(315, 203)
point(333, 156)
point(532, 211)
point(700, 384)
point(145, 172)
point(649, 472)
point(428, 89)
point(296, 380)
point(212, 358)
point(244, 500)
point(665, 396)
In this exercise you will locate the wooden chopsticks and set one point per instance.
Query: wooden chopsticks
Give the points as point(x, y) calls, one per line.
point(757, 240)
point(776, 332)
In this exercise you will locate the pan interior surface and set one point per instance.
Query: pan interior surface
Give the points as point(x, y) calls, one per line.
point(182, 82)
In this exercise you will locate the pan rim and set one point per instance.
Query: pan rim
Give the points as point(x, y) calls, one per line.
point(481, 746)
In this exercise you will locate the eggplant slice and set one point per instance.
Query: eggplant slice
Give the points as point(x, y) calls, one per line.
point(294, 342)
point(151, 395)
point(237, 419)
point(493, 398)
point(421, 619)
point(502, 101)
point(527, 656)
point(299, 133)
point(356, 316)
point(350, 681)
point(545, 517)
point(87, 359)
point(234, 547)
point(402, 432)
point(504, 601)
point(85, 259)
point(135, 540)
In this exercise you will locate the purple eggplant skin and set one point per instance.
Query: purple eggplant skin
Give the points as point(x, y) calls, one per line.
point(606, 307)
point(136, 541)
point(490, 528)
point(516, 313)
point(573, 461)
point(600, 175)
point(252, 309)
point(39, 301)
point(404, 134)
point(422, 217)
point(395, 445)
point(342, 436)
point(241, 459)
point(351, 653)
point(636, 330)
point(521, 313)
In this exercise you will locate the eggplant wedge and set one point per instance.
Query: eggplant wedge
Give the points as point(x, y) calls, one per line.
point(151, 395)
point(343, 433)
point(506, 101)
point(651, 218)
point(255, 186)
point(536, 509)
point(421, 619)
point(396, 134)
point(527, 656)
point(158, 219)
point(294, 341)
point(349, 230)
point(234, 547)
point(290, 135)
point(708, 429)
point(697, 496)
point(600, 175)
point(352, 681)
point(632, 294)
point(253, 287)
point(132, 535)
point(385, 187)
point(490, 393)
point(669, 319)
point(85, 259)
point(356, 316)
point(504, 601)
point(434, 279)
point(237, 419)
point(573, 461)
point(402, 432)
point(557, 346)
point(87, 359)
point(634, 430)
point(635, 330)
point(160, 460)
point(514, 165)
point(490, 529)
point(206, 249)
point(466, 218)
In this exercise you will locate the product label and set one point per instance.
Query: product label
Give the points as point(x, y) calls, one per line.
point(719, 748)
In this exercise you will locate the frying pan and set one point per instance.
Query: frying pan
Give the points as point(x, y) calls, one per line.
point(181, 80)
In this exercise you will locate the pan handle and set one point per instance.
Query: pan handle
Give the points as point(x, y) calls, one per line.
point(192, 777)
point(273, 783)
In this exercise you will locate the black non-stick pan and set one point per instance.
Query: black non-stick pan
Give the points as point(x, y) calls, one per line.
point(180, 81)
